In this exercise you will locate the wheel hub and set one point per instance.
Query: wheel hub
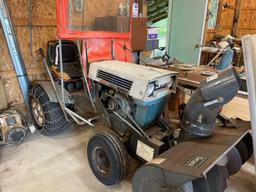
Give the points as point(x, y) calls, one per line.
point(101, 160)
point(38, 112)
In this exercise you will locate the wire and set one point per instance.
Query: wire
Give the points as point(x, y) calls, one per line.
point(126, 48)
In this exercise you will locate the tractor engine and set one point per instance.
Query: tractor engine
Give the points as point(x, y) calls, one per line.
point(132, 94)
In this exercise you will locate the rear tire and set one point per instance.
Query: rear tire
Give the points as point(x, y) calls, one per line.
point(47, 116)
point(107, 158)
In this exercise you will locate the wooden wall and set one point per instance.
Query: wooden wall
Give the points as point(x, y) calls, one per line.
point(247, 19)
point(32, 33)
point(226, 17)
point(237, 18)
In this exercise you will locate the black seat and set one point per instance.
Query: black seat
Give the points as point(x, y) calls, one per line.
point(70, 57)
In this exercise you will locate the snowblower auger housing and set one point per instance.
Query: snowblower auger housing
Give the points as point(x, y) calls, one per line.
point(203, 153)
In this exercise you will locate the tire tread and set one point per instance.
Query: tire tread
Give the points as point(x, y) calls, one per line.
point(55, 121)
point(119, 152)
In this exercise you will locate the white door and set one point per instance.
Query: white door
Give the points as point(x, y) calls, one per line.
point(186, 29)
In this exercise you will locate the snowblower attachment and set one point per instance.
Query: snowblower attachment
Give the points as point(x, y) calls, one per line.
point(204, 154)
point(201, 111)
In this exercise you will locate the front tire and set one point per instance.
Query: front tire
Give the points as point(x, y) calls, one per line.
point(107, 158)
point(47, 116)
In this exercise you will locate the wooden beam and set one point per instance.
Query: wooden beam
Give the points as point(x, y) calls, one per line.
point(237, 15)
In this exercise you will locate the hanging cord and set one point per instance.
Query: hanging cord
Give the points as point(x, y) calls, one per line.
point(126, 48)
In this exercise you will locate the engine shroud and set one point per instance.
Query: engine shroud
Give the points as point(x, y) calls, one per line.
point(140, 91)
point(147, 113)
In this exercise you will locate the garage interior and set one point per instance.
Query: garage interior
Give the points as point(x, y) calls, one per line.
point(123, 95)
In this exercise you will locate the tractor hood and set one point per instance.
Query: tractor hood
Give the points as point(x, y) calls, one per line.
point(133, 78)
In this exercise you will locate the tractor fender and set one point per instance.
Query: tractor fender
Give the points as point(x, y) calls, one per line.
point(47, 86)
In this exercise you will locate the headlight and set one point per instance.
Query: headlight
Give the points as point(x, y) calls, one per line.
point(151, 88)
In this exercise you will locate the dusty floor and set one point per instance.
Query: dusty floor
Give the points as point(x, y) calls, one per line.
point(59, 164)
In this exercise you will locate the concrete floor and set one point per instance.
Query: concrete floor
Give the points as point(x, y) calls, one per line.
point(59, 164)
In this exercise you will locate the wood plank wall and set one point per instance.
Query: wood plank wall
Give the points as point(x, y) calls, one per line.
point(247, 19)
point(226, 17)
point(238, 19)
point(32, 33)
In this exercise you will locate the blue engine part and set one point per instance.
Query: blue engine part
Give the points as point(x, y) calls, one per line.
point(148, 113)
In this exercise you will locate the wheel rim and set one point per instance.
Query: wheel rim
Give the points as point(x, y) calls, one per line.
point(37, 112)
point(101, 161)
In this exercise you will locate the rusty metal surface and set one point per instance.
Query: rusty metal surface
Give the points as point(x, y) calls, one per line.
point(196, 158)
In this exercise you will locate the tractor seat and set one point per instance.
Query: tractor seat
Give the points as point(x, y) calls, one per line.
point(70, 57)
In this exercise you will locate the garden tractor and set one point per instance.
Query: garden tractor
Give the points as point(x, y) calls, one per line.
point(131, 98)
